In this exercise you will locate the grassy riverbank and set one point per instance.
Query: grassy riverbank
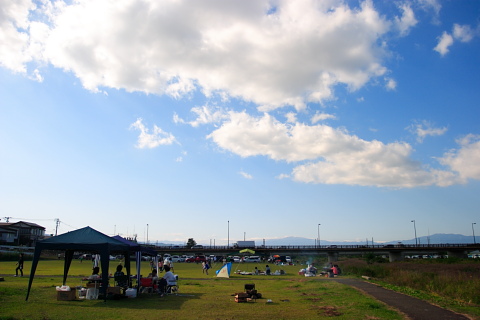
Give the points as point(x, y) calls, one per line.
point(201, 297)
point(450, 283)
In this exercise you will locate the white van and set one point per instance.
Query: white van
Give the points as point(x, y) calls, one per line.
point(253, 259)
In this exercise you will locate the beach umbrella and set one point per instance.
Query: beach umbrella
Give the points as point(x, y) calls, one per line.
point(247, 251)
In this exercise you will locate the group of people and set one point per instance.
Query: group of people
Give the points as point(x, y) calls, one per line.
point(168, 279)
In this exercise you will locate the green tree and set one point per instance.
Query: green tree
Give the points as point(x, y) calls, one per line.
point(191, 243)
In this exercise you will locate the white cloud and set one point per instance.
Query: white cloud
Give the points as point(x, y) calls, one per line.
point(390, 84)
point(463, 33)
point(322, 116)
point(294, 55)
point(14, 37)
point(407, 21)
point(291, 117)
point(246, 175)
point(283, 176)
point(207, 114)
point(445, 41)
point(425, 129)
point(204, 115)
point(180, 158)
point(151, 140)
point(433, 6)
point(335, 156)
point(466, 159)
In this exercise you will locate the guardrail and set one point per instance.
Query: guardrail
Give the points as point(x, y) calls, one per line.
point(328, 247)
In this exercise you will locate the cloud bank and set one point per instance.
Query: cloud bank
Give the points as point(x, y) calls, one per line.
point(273, 54)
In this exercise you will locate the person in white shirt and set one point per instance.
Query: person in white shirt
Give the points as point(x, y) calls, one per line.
point(168, 279)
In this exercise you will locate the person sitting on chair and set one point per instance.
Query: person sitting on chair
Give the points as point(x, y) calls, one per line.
point(168, 279)
point(95, 274)
point(154, 276)
point(120, 278)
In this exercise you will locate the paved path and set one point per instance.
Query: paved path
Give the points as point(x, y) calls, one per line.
point(414, 308)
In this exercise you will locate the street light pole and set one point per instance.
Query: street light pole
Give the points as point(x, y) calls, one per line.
point(147, 233)
point(318, 234)
point(228, 234)
point(473, 231)
point(415, 228)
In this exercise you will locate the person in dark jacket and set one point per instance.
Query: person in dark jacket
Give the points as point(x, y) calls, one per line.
point(19, 265)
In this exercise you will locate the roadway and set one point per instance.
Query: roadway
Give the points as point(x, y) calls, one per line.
point(395, 252)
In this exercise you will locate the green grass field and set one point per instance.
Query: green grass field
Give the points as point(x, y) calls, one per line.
point(201, 296)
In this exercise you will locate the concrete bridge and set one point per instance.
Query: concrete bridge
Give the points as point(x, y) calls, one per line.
point(395, 252)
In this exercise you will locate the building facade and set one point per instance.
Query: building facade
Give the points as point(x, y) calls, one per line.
point(20, 233)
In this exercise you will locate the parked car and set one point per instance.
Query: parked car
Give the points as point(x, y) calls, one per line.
point(200, 259)
point(253, 259)
point(190, 259)
point(236, 259)
point(175, 258)
point(288, 259)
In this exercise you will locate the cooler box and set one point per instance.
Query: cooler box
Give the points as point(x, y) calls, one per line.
point(114, 290)
point(131, 293)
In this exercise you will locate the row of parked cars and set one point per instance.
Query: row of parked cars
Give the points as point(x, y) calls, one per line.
point(202, 258)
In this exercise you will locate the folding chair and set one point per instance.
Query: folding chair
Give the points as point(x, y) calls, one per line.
point(173, 287)
point(147, 285)
point(251, 291)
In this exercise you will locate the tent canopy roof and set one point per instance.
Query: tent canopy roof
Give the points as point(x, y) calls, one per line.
point(135, 247)
point(84, 239)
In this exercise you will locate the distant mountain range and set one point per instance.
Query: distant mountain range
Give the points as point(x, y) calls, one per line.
point(432, 239)
point(299, 241)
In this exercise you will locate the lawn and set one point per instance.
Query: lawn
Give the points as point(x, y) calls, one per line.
point(201, 296)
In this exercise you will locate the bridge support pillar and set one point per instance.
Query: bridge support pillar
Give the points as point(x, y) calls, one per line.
point(457, 254)
point(395, 256)
point(332, 256)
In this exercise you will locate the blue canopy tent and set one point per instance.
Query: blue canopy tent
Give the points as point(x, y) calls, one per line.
point(139, 251)
point(85, 239)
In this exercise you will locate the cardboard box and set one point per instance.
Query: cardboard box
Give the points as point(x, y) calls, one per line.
point(67, 295)
point(114, 290)
point(241, 297)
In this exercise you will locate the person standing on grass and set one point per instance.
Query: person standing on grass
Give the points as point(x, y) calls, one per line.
point(205, 267)
point(160, 265)
point(19, 265)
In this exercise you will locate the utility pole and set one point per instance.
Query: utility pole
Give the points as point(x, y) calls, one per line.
point(57, 223)
point(415, 229)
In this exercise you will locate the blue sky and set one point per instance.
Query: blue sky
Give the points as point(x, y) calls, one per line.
point(220, 120)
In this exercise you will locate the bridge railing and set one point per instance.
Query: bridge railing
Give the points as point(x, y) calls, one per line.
point(322, 247)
